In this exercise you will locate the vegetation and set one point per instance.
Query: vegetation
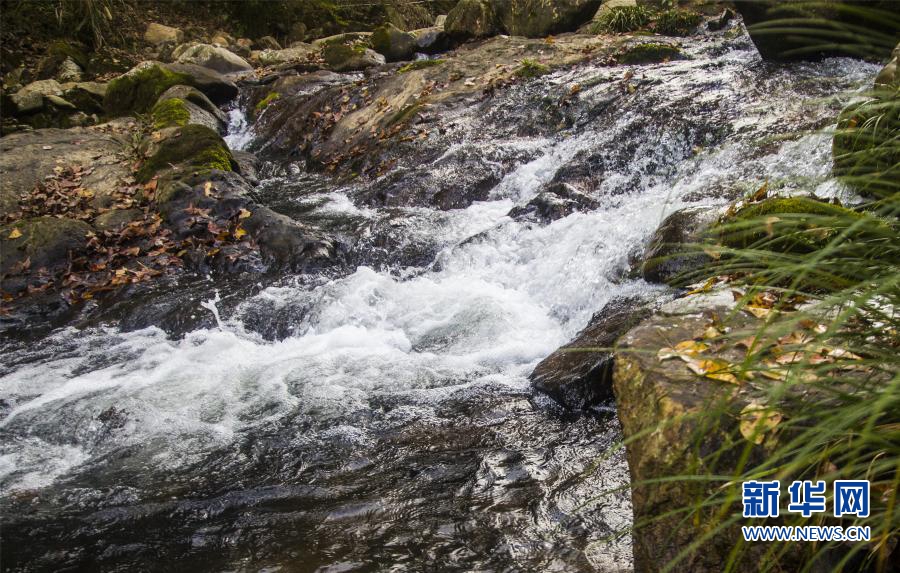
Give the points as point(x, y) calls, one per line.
point(264, 102)
point(531, 69)
point(677, 22)
point(650, 53)
point(197, 146)
point(170, 113)
point(621, 19)
point(136, 92)
point(420, 65)
point(821, 365)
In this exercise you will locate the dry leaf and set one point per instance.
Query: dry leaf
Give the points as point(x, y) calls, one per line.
point(757, 420)
point(758, 312)
point(244, 213)
point(691, 347)
point(14, 234)
point(714, 369)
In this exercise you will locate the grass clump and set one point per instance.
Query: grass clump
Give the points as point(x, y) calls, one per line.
point(677, 22)
point(170, 113)
point(531, 69)
point(621, 19)
point(420, 65)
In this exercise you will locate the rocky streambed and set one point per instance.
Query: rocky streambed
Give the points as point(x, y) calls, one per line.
point(353, 363)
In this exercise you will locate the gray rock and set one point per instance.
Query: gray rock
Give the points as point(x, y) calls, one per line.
point(344, 58)
point(60, 103)
point(299, 52)
point(472, 19)
point(431, 40)
point(393, 43)
point(45, 242)
point(201, 109)
point(27, 102)
point(158, 34)
point(116, 219)
point(69, 71)
point(215, 58)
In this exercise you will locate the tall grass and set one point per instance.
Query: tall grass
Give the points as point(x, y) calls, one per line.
point(832, 276)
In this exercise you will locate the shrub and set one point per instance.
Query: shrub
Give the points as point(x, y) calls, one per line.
point(621, 19)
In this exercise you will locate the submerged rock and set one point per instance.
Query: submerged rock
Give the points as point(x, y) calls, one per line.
point(557, 201)
point(579, 374)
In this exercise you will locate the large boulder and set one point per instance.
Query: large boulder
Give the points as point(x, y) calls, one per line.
point(190, 149)
point(213, 57)
point(27, 158)
point(298, 53)
point(157, 34)
point(431, 40)
point(539, 18)
point(347, 58)
point(579, 374)
point(472, 19)
point(393, 43)
point(183, 105)
point(674, 249)
point(797, 30)
point(137, 90)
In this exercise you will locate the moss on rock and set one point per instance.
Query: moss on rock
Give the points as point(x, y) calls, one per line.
point(650, 53)
point(170, 113)
point(137, 91)
point(531, 69)
point(420, 65)
point(264, 102)
point(197, 148)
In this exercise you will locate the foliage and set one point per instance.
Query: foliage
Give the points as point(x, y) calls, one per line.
point(649, 53)
point(272, 96)
point(90, 18)
point(531, 69)
point(420, 65)
point(135, 92)
point(621, 19)
point(824, 282)
point(170, 113)
point(867, 144)
point(677, 22)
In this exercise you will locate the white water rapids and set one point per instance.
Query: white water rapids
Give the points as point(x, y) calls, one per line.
point(385, 370)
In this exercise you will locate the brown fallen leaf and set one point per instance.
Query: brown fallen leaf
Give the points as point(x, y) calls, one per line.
point(714, 369)
point(758, 419)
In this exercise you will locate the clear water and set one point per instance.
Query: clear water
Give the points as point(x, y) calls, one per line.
point(392, 427)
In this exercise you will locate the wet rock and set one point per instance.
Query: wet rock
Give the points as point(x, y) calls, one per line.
point(472, 19)
point(158, 34)
point(248, 166)
point(658, 404)
point(557, 201)
point(268, 43)
point(40, 243)
point(649, 53)
point(27, 158)
point(670, 252)
point(815, 26)
point(116, 219)
point(216, 58)
point(214, 85)
point(579, 374)
point(393, 43)
point(344, 58)
point(86, 96)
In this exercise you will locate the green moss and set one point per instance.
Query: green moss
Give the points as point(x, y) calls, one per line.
point(419, 65)
point(197, 148)
point(266, 101)
point(650, 53)
point(759, 220)
point(137, 92)
point(404, 114)
point(63, 50)
point(531, 69)
point(170, 113)
point(677, 22)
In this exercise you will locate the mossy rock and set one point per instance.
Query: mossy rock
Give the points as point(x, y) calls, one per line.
point(759, 220)
point(62, 49)
point(45, 241)
point(650, 53)
point(420, 65)
point(138, 90)
point(393, 43)
point(170, 113)
point(196, 148)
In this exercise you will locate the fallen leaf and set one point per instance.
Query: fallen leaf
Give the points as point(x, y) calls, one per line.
point(758, 312)
point(758, 419)
point(14, 234)
point(691, 347)
point(239, 232)
point(244, 213)
point(714, 369)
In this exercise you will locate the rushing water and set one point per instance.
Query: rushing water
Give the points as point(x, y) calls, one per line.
point(382, 420)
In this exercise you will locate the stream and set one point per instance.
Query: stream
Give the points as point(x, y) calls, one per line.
point(381, 419)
